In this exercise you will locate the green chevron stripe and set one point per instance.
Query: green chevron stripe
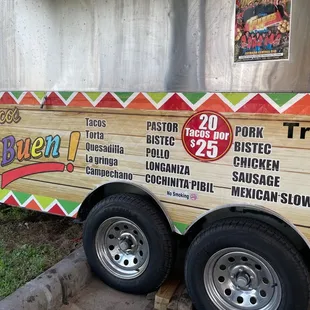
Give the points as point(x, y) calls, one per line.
point(40, 94)
point(234, 98)
point(3, 193)
point(281, 98)
point(93, 95)
point(157, 97)
point(181, 227)
point(194, 97)
point(44, 201)
point(22, 197)
point(69, 206)
point(65, 94)
point(123, 96)
point(17, 94)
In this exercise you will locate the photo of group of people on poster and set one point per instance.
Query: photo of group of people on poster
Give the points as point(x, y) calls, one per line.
point(262, 30)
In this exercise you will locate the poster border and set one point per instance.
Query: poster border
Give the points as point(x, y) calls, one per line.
point(288, 60)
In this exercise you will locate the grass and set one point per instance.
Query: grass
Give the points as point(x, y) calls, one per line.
point(20, 265)
point(30, 243)
point(12, 214)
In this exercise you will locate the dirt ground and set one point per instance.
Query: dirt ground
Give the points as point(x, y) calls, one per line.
point(30, 243)
point(98, 296)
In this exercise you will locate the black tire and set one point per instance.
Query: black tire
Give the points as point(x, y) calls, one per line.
point(156, 230)
point(259, 238)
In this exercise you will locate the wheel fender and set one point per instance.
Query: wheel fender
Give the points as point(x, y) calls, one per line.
point(117, 187)
point(251, 211)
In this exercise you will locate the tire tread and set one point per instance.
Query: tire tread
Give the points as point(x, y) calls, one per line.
point(163, 228)
point(264, 231)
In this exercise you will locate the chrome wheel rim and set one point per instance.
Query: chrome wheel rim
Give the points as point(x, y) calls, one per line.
point(238, 279)
point(122, 248)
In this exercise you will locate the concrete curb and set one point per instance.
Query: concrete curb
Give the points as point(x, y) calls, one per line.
point(52, 288)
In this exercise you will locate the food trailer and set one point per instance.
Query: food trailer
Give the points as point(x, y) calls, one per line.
point(150, 119)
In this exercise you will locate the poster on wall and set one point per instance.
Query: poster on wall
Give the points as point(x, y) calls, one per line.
point(262, 30)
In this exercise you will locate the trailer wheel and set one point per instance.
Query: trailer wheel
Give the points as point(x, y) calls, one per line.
point(128, 244)
point(244, 264)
